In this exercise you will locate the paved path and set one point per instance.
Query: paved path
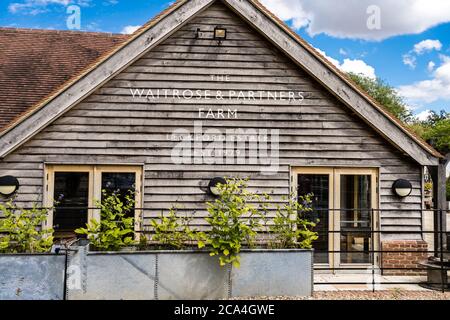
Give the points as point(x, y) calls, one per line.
point(364, 282)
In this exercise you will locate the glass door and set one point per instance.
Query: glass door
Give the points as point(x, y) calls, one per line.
point(319, 182)
point(344, 209)
point(356, 216)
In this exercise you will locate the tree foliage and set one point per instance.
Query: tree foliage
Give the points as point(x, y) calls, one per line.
point(435, 129)
point(384, 94)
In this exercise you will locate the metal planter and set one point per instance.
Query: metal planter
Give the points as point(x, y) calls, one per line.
point(168, 275)
point(32, 277)
point(152, 275)
point(191, 275)
point(273, 273)
point(146, 275)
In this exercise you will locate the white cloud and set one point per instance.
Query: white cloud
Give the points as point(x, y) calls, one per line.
point(410, 60)
point(431, 66)
point(422, 116)
point(434, 89)
point(110, 2)
point(358, 67)
point(350, 65)
point(34, 7)
point(348, 19)
point(343, 52)
point(335, 62)
point(427, 46)
point(129, 29)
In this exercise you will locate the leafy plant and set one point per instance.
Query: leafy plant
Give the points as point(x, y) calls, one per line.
point(428, 187)
point(173, 231)
point(21, 229)
point(232, 222)
point(291, 228)
point(384, 94)
point(115, 229)
point(435, 129)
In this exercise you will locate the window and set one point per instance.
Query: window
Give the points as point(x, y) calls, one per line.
point(73, 190)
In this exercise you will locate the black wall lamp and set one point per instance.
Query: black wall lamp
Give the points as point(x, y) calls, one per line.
point(402, 188)
point(212, 186)
point(8, 185)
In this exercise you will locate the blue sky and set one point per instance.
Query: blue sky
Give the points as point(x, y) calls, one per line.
point(407, 42)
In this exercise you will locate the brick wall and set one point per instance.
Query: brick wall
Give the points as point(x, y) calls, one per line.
point(405, 260)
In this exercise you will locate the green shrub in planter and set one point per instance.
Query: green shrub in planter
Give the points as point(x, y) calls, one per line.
point(115, 230)
point(291, 228)
point(233, 222)
point(21, 229)
point(172, 231)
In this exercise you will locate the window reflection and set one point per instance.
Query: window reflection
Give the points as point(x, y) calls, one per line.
point(355, 217)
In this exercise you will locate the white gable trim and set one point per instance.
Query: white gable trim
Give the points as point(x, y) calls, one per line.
point(83, 87)
point(331, 80)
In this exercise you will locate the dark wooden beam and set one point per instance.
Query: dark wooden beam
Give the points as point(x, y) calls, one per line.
point(438, 174)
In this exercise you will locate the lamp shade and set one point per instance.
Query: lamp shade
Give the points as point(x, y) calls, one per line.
point(402, 188)
point(213, 185)
point(8, 185)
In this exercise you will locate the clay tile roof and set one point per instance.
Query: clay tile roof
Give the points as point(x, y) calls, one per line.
point(35, 63)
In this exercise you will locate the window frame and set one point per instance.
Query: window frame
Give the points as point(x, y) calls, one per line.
point(95, 187)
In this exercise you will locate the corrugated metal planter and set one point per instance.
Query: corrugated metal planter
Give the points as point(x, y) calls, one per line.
point(32, 277)
point(273, 273)
point(187, 274)
point(146, 275)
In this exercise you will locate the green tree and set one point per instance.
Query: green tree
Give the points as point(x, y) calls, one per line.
point(435, 130)
point(384, 94)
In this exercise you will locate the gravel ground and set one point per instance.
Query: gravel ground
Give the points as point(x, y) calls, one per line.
point(368, 295)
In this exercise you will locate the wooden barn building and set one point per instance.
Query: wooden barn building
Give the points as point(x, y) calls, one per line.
point(208, 88)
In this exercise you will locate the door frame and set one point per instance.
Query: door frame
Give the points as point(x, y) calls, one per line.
point(374, 174)
point(95, 172)
point(334, 174)
point(295, 171)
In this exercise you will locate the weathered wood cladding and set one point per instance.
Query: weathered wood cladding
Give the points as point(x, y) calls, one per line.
point(112, 127)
